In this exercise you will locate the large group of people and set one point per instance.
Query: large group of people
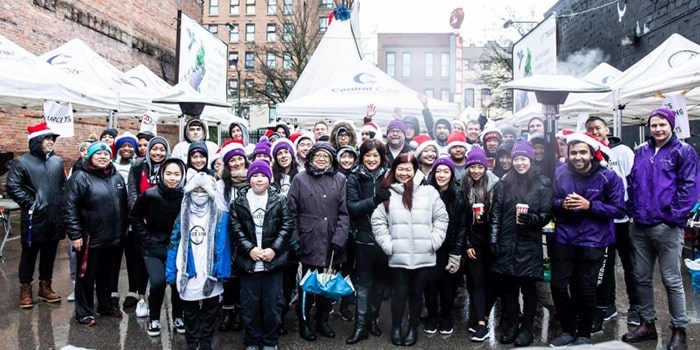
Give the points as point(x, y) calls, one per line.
point(407, 214)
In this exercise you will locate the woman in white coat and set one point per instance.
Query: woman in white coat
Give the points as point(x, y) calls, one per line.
point(409, 227)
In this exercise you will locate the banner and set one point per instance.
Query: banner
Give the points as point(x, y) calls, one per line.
point(677, 104)
point(149, 122)
point(59, 118)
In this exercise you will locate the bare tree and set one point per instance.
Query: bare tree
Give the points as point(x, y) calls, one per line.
point(298, 33)
point(501, 71)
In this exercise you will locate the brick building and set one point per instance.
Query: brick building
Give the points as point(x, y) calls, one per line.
point(125, 32)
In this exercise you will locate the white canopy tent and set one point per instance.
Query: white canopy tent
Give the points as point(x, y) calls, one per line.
point(337, 84)
point(27, 81)
point(685, 76)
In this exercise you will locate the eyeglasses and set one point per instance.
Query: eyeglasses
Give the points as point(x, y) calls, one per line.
point(321, 156)
point(394, 131)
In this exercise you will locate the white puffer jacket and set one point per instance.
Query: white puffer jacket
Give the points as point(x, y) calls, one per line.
point(411, 237)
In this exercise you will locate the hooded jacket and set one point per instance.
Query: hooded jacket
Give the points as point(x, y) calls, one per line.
point(413, 121)
point(504, 148)
point(35, 182)
point(244, 129)
point(276, 229)
point(520, 246)
point(181, 149)
point(154, 213)
point(145, 167)
point(663, 187)
point(317, 202)
point(96, 206)
point(594, 227)
point(336, 129)
point(361, 188)
point(410, 238)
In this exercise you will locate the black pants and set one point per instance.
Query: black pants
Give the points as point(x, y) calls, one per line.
point(440, 289)
point(289, 285)
point(348, 269)
point(371, 271)
point(261, 307)
point(156, 274)
point(512, 287)
point(624, 250)
point(135, 266)
point(46, 251)
point(98, 274)
point(574, 276)
point(200, 316)
point(323, 304)
point(409, 286)
point(232, 293)
point(605, 282)
point(480, 283)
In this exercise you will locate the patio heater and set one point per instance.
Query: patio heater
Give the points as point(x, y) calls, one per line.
point(551, 90)
point(191, 104)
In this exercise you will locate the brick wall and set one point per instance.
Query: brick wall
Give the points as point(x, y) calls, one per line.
point(603, 29)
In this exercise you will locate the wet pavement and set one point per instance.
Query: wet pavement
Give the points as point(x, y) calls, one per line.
point(51, 326)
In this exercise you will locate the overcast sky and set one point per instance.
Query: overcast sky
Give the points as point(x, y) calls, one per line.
point(483, 19)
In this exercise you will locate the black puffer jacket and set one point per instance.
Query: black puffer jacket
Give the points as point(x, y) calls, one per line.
point(277, 229)
point(361, 187)
point(456, 205)
point(520, 246)
point(36, 182)
point(154, 213)
point(96, 206)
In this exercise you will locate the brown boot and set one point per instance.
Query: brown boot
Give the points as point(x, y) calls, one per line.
point(645, 331)
point(25, 296)
point(678, 341)
point(47, 294)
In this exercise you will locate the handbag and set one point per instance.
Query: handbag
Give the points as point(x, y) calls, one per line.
point(326, 284)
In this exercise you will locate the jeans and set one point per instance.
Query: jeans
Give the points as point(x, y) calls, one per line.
point(46, 251)
point(261, 307)
point(408, 288)
point(665, 243)
point(574, 277)
point(156, 274)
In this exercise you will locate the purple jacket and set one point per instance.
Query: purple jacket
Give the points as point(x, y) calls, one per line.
point(663, 187)
point(593, 227)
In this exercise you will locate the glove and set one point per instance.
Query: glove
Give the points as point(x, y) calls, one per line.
point(453, 262)
point(381, 194)
point(526, 218)
point(336, 248)
point(495, 249)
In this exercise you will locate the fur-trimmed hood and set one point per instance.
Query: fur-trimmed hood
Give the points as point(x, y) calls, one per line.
point(337, 126)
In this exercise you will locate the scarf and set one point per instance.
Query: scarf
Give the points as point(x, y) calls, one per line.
point(238, 178)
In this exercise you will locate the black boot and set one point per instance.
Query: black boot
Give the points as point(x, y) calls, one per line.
point(510, 333)
point(324, 329)
point(305, 331)
point(396, 337)
point(524, 337)
point(236, 324)
point(598, 319)
point(411, 336)
point(360, 333)
point(226, 320)
point(374, 327)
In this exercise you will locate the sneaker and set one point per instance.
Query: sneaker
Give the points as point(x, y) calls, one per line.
point(482, 332)
point(446, 327)
point(472, 325)
point(565, 339)
point(430, 327)
point(142, 308)
point(269, 347)
point(252, 347)
point(179, 325)
point(633, 318)
point(153, 328)
point(71, 296)
point(610, 313)
point(582, 341)
point(87, 321)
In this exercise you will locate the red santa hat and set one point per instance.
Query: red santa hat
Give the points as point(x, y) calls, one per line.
point(420, 142)
point(231, 148)
point(458, 138)
point(372, 128)
point(40, 129)
point(598, 146)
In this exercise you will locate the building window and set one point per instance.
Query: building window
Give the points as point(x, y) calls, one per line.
point(468, 98)
point(323, 24)
point(233, 33)
point(327, 4)
point(271, 60)
point(271, 7)
point(214, 29)
point(271, 32)
point(445, 95)
point(233, 88)
point(444, 65)
point(250, 32)
point(391, 64)
point(269, 87)
point(406, 65)
point(485, 65)
point(485, 93)
point(232, 60)
point(287, 32)
point(288, 7)
point(467, 64)
point(249, 87)
point(249, 7)
point(429, 93)
point(286, 61)
point(235, 7)
point(213, 7)
point(249, 60)
point(429, 64)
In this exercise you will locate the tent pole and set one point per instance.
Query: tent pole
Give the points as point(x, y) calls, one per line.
point(181, 128)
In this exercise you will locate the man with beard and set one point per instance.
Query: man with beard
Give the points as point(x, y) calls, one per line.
point(457, 147)
point(587, 197)
point(396, 140)
point(535, 125)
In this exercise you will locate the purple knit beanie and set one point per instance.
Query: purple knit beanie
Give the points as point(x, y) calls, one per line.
point(665, 113)
point(396, 124)
point(444, 161)
point(259, 166)
point(523, 148)
point(476, 155)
